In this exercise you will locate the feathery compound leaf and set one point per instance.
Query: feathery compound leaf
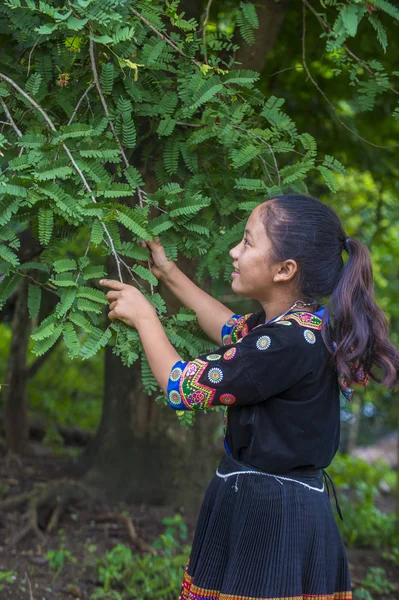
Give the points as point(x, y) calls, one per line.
point(253, 185)
point(131, 224)
point(97, 233)
point(81, 321)
point(329, 178)
point(88, 306)
point(333, 163)
point(107, 77)
point(96, 340)
point(9, 256)
point(8, 285)
point(67, 299)
point(145, 274)
point(247, 21)
point(149, 382)
point(92, 294)
point(66, 264)
point(43, 345)
point(33, 84)
point(45, 329)
point(381, 33)
point(46, 224)
point(34, 299)
point(134, 177)
point(166, 127)
point(71, 340)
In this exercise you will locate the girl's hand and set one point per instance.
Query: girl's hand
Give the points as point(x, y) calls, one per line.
point(127, 304)
point(161, 267)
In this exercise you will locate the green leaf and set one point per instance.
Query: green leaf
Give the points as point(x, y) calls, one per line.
point(34, 299)
point(43, 345)
point(66, 264)
point(92, 294)
point(71, 340)
point(97, 233)
point(9, 256)
point(67, 299)
point(46, 224)
point(145, 274)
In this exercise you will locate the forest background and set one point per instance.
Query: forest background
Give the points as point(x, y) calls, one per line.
point(124, 120)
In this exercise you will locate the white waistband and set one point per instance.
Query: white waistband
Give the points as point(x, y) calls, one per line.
point(277, 477)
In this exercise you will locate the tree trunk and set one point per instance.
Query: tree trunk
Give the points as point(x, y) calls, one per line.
point(140, 452)
point(15, 391)
point(271, 16)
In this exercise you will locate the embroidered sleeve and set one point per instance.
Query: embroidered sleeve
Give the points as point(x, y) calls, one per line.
point(260, 365)
point(235, 329)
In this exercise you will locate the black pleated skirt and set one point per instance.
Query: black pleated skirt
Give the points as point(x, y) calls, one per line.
point(262, 537)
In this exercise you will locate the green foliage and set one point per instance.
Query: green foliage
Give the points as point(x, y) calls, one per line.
point(58, 558)
point(126, 575)
point(375, 581)
point(7, 577)
point(359, 487)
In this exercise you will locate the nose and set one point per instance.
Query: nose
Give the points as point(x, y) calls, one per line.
point(233, 252)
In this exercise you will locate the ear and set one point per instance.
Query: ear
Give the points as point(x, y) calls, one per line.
point(286, 271)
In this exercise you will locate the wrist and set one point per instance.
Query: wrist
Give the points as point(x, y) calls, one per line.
point(169, 273)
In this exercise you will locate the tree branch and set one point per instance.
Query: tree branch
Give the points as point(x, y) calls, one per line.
point(10, 119)
point(79, 103)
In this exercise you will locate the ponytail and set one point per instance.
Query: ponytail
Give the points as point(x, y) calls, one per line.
point(354, 328)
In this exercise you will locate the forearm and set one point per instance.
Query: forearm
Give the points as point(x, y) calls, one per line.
point(211, 313)
point(159, 351)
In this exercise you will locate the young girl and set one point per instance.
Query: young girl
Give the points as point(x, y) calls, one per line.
point(266, 529)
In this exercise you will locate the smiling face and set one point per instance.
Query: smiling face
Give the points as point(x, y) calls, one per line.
point(259, 277)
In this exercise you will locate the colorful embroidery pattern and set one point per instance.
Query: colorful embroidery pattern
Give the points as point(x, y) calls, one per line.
point(235, 329)
point(309, 336)
point(176, 374)
point(227, 399)
point(174, 397)
point(191, 390)
point(230, 354)
point(192, 592)
point(263, 343)
point(213, 356)
point(305, 319)
point(215, 375)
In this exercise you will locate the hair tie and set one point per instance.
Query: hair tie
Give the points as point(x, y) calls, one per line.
point(346, 244)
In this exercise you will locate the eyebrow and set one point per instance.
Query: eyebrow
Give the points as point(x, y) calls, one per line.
point(249, 233)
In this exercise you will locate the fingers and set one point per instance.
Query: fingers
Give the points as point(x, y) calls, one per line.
point(151, 243)
point(112, 295)
point(112, 305)
point(113, 284)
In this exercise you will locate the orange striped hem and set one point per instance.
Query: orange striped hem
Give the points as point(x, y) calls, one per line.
point(193, 592)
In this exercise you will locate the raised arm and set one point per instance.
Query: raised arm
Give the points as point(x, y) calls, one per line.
point(211, 313)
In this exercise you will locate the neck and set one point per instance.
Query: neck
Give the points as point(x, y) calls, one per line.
point(275, 308)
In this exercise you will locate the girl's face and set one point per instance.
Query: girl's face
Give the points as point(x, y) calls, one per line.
point(257, 275)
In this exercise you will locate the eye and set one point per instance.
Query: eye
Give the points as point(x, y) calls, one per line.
point(245, 241)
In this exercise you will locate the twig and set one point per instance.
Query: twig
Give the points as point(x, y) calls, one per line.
point(163, 36)
point(30, 54)
point(79, 103)
point(316, 85)
point(205, 23)
point(10, 119)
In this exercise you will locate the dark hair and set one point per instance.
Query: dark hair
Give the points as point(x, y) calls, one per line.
point(354, 329)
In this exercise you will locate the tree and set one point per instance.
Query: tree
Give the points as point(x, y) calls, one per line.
point(124, 123)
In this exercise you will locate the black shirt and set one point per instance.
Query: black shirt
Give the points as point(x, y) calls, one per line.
point(281, 392)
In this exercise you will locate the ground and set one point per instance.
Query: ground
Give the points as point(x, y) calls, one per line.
point(88, 528)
